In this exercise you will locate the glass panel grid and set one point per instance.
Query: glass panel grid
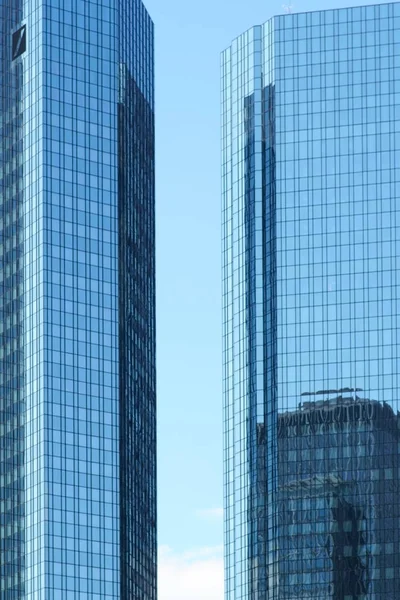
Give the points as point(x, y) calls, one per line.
point(310, 118)
point(77, 301)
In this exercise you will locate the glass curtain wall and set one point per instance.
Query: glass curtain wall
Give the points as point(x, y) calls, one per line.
point(311, 241)
point(77, 301)
point(12, 405)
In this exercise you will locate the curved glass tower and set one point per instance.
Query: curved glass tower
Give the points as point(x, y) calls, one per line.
point(311, 251)
point(77, 301)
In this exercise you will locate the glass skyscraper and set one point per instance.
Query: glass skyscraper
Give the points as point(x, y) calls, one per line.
point(311, 289)
point(77, 301)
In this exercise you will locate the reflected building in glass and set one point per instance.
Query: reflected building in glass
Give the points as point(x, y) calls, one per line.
point(311, 256)
point(77, 301)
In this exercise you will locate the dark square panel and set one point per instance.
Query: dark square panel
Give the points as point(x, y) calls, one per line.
point(19, 42)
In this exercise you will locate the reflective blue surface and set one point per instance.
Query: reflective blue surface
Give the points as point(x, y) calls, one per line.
point(12, 406)
point(136, 208)
point(311, 122)
point(71, 309)
point(77, 302)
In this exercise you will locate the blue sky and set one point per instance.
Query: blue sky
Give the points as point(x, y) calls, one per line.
point(189, 38)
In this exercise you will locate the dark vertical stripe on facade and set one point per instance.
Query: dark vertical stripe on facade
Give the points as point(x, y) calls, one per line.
point(261, 439)
point(12, 405)
point(137, 341)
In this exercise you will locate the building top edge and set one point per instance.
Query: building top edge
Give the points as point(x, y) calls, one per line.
point(295, 15)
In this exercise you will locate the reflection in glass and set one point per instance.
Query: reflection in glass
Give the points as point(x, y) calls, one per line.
point(311, 246)
point(12, 381)
point(77, 301)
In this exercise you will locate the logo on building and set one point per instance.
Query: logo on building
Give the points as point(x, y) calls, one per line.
point(18, 42)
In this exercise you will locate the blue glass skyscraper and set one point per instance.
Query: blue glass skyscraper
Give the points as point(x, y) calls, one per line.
point(311, 250)
point(77, 301)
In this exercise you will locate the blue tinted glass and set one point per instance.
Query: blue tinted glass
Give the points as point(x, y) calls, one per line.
point(77, 301)
point(310, 247)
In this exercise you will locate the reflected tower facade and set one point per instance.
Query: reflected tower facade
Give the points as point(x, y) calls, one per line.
point(311, 244)
point(77, 301)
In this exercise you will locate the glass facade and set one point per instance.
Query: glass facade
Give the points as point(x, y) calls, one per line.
point(12, 407)
point(77, 301)
point(137, 303)
point(311, 240)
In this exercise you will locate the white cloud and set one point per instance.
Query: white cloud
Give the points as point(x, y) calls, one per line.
point(194, 575)
point(210, 513)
